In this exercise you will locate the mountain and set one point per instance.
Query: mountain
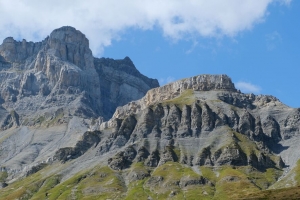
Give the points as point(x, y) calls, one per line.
point(61, 72)
point(51, 92)
point(101, 130)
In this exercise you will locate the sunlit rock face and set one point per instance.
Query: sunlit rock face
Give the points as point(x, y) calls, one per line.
point(61, 72)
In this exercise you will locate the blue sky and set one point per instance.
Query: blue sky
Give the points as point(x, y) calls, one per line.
point(256, 43)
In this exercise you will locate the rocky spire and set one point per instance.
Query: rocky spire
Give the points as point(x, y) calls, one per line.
point(71, 45)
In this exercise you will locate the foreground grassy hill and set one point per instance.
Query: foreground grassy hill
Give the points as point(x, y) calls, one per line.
point(171, 180)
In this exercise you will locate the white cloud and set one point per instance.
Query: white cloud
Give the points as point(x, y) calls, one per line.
point(102, 20)
point(247, 87)
point(164, 81)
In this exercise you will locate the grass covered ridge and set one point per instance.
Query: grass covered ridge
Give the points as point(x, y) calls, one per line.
point(171, 180)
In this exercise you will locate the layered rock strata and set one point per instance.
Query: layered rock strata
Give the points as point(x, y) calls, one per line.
point(61, 72)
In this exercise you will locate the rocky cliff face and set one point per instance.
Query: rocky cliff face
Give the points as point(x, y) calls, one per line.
point(61, 72)
point(173, 90)
point(208, 121)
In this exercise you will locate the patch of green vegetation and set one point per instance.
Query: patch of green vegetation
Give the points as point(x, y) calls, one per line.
point(247, 146)
point(24, 188)
point(205, 192)
point(42, 121)
point(101, 183)
point(173, 171)
point(64, 189)
point(272, 175)
point(233, 184)
point(208, 173)
point(25, 121)
point(39, 120)
point(136, 190)
point(297, 173)
point(284, 193)
point(139, 166)
point(177, 152)
point(55, 119)
point(262, 179)
point(3, 176)
point(48, 184)
point(187, 97)
point(225, 182)
point(171, 174)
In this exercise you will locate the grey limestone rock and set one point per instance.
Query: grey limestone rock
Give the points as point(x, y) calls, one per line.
point(123, 159)
point(247, 124)
point(188, 181)
point(208, 118)
point(184, 129)
point(200, 129)
point(142, 154)
point(231, 155)
point(36, 168)
point(88, 140)
point(61, 72)
point(291, 125)
point(168, 155)
point(271, 128)
point(204, 157)
point(11, 119)
point(170, 91)
point(153, 159)
point(196, 119)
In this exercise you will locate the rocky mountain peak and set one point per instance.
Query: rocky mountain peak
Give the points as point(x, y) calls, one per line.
point(203, 82)
point(68, 34)
point(71, 45)
point(17, 51)
point(61, 72)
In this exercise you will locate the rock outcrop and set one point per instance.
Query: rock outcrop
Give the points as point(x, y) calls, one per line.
point(190, 117)
point(89, 139)
point(173, 90)
point(61, 72)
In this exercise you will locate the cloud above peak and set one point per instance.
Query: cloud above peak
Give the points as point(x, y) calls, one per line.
point(247, 87)
point(103, 21)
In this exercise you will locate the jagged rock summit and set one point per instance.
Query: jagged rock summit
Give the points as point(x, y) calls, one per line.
point(170, 91)
point(61, 72)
